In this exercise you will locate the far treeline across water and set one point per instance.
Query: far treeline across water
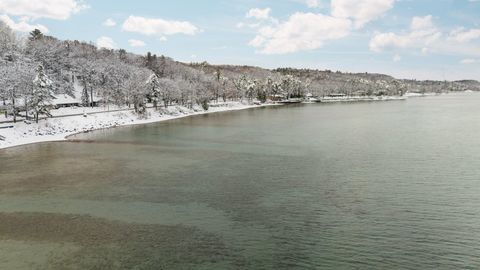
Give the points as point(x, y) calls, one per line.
point(37, 67)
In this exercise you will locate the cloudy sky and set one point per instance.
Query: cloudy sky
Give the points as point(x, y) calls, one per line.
point(423, 39)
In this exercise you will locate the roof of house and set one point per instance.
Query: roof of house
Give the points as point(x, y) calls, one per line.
point(65, 99)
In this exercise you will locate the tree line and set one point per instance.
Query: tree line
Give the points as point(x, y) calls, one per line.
point(36, 67)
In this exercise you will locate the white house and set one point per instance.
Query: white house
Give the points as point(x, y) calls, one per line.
point(74, 100)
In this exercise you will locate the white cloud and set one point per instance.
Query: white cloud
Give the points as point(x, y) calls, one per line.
point(361, 11)
point(109, 22)
point(313, 3)
point(158, 27)
point(106, 42)
point(421, 35)
point(387, 41)
point(136, 43)
point(468, 61)
point(461, 35)
point(302, 31)
point(427, 38)
point(53, 9)
point(251, 25)
point(422, 23)
point(259, 14)
point(23, 25)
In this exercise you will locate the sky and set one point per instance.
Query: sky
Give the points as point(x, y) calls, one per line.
point(414, 39)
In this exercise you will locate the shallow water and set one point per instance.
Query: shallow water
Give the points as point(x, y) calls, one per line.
point(352, 186)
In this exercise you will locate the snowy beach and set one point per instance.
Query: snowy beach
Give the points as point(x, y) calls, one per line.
point(86, 119)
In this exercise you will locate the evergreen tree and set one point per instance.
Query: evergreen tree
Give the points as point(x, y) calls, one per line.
point(153, 85)
point(35, 35)
point(42, 93)
point(148, 60)
point(122, 54)
point(85, 98)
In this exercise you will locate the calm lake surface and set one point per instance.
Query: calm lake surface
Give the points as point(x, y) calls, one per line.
point(386, 185)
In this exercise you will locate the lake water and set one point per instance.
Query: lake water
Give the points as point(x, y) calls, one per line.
point(385, 185)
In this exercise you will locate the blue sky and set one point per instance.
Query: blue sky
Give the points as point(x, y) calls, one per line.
point(423, 39)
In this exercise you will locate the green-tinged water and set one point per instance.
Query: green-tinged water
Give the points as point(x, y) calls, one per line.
point(386, 185)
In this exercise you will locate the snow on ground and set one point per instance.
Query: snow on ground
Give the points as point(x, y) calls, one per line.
point(77, 110)
point(57, 129)
point(361, 98)
point(414, 94)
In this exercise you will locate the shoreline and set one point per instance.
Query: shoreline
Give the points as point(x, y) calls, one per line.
point(351, 99)
point(61, 129)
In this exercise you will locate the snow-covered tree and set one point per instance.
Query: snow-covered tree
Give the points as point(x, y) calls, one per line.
point(153, 85)
point(8, 40)
point(203, 93)
point(89, 79)
point(15, 71)
point(246, 87)
point(112, 84)
point(224, 88)
point(42, 93)
point(85, 97)
point(292, 87)
point(135, 85)
point(167, 90)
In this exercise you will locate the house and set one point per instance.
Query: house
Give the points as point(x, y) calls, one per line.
point(75, 99)
point(65, 100)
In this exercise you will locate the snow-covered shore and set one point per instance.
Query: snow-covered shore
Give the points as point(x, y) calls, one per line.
point(58, 129)
point(361, 98)
point(427, 94)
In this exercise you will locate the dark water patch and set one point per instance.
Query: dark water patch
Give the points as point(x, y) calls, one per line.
point(114, 245)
